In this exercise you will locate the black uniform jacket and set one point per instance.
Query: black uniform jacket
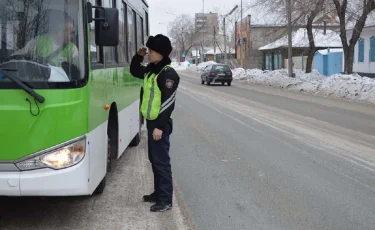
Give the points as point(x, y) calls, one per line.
point(167, 80)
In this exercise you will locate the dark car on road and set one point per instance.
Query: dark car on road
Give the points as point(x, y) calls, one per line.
point(217, 73)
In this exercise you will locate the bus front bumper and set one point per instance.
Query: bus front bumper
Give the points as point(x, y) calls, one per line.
point(73, 181)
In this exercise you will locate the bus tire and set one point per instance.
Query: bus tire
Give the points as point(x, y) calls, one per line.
point(137, 138)
point(100, 189)
point(109, 156)
point(102, 184)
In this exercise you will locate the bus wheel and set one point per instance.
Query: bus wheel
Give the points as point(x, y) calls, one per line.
point(102, 185)
point(137, 139)
point(109, 156)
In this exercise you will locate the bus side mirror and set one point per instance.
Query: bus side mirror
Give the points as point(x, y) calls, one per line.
point(106, 25)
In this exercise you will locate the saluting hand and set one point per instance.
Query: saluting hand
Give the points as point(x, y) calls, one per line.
point(157, 134)
point(142, 51)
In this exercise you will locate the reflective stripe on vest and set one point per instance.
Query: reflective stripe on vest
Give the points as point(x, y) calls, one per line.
point(151, 103)
point(44, 49)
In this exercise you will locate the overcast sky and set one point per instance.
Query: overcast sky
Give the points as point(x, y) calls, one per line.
point(159, 9)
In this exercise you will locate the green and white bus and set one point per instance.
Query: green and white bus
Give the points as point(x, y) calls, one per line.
point(68, 103)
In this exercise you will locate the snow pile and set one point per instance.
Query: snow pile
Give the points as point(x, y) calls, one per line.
point(300, 39)
point(339, 85)
point(345, 86)
point(180, 66)
point(203, 65)
point(242, 74)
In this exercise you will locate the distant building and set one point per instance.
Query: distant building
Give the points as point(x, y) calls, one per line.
point(205, 23)
point(205, 26)
point(264, 31)
point(243, 42)
point(364, 52)
point(275, 54)
point(329, 61)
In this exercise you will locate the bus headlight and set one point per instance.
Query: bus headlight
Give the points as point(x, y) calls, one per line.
point(63, 157)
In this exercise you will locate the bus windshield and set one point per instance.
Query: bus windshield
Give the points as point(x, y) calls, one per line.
point(40, 40)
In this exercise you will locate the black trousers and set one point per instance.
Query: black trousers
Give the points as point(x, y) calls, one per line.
point(158, 154)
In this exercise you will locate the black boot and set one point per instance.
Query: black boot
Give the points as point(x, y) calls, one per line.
point(161, 206)
point(152, 198)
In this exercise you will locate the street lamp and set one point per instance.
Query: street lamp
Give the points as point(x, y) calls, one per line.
point(225, 33)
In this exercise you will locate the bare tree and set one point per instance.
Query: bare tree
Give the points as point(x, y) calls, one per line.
point(316, 8)
point(230, 24)
point(29, 16)
point(357, 13)
point(305, 13)
point(182, 31)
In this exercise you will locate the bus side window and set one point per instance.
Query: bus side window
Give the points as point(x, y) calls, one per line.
point(147, 26)
point(110, 52)
point(95, 51)
point(140, 35)
point(122, 49)
point(132, 45)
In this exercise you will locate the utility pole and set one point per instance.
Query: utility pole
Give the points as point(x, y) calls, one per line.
point(225, 43)
point(225, 33)
point(215, 43)
point(241, 40)
point(202, 47)
point(177, 51)
point(290, 50)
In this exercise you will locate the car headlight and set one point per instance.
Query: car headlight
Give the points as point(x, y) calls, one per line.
point(59, 158)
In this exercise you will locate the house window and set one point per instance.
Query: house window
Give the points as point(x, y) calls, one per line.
point(372, 49)
point(361, 50)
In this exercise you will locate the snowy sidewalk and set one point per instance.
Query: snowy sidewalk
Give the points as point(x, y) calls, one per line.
point(353, 87)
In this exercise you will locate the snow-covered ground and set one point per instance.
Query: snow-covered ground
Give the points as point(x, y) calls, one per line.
point(352, 86)
point(203, 65)
point(181, 65)
point(186, 65)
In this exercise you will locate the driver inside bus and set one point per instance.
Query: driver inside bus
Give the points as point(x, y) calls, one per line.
point(54, 47)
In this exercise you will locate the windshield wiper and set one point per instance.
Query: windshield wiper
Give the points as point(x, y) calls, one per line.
point(27, 89)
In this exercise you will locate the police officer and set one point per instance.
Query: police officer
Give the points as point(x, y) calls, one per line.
point(158, 102)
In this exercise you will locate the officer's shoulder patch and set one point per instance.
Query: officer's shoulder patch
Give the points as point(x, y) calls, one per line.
point(169, 83)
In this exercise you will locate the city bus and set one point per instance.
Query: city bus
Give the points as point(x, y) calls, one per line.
point(69, 106)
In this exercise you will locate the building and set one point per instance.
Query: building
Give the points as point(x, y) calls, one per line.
point(243, 42)
point(217, 54)
point(262, 35)
point(265, 29)
point(329, 61)
point(364, 52)
point(206, 25)
point(275, 54)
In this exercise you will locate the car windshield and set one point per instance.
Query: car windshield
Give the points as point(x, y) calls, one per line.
point(222, 68)
point(39, 39)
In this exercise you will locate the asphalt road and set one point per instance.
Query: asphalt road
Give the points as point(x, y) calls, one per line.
point(118, 208)
point(243, 157)
point(249, 157)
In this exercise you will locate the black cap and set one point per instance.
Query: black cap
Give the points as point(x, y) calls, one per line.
point(160, 44)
